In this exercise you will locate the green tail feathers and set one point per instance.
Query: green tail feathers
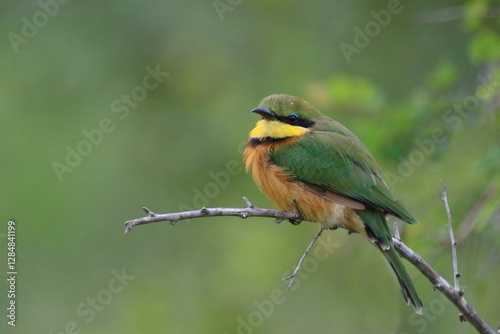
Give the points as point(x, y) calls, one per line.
point(407, 288)
point(378, 232)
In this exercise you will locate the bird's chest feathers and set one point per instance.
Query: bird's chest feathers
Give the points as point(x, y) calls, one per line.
point(270, 178)
point(274, 129)
point(286, 192)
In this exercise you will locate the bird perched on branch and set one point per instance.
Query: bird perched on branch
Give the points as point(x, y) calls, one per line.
point(309, 163)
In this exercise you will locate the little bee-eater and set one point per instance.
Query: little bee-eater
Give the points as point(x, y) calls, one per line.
point(309, 163)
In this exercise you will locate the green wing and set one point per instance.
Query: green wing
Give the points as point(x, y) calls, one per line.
point(338, 164)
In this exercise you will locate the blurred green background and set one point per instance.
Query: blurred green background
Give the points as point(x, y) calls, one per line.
point(417, 82)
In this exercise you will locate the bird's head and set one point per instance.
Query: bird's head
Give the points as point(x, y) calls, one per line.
point(284, 116)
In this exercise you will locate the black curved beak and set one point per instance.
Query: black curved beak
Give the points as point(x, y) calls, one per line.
point(265, 113)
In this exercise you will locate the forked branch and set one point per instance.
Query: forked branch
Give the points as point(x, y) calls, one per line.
point(439, 283)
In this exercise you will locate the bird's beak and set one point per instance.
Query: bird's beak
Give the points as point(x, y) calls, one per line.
point(265, 113)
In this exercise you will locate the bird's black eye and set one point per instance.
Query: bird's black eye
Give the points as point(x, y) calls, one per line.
point(293, 118)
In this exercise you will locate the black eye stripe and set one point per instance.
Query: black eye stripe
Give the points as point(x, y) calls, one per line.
point(296, 121)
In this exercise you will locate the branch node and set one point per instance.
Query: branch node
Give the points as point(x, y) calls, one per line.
point(248, 203)
point(244, 215)
point(149, 212)
point(462, 318)
point(204, 211)
point(461, 293)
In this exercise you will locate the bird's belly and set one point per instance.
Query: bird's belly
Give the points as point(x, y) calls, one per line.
point(289, 194)
point(294, 196)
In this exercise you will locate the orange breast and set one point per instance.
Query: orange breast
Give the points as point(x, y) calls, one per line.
point(290, 194)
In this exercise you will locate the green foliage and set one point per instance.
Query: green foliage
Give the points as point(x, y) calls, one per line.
point(350, 92)
point(444, 76)
point(475, 12)
point(484, 47)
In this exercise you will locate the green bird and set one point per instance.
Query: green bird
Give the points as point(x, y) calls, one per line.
point(309, 163)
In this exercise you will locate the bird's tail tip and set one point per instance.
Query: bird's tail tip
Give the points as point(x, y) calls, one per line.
point(407, 289)
point(412, 299)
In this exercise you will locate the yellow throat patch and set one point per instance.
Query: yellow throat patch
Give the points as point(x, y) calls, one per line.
point(276, 129)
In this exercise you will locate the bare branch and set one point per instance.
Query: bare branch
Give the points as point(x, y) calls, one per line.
point(456, 274)
point(439, 283)
point(249, 211)
point(313, 241)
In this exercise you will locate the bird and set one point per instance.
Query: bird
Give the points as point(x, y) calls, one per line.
point(309, 163)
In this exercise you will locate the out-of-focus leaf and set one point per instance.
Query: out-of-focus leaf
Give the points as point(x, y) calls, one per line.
point(444, 75)
point(484, 47)
point(355, 92)
point(474, 13)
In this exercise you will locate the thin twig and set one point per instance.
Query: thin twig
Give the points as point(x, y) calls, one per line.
point(292, 276)
point(456, 274)
point(438, 282)
point(396, 232)
point(249, 211)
